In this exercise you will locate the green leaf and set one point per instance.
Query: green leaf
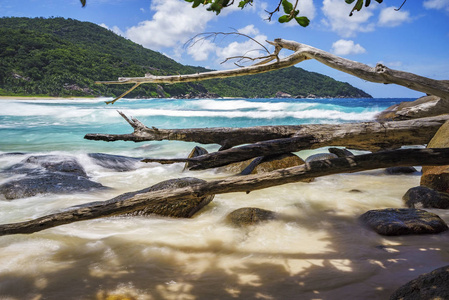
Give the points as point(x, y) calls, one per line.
point(287, 6)
point(367, 3)
point(357, 7)
point(349, 1)
point(284, 19)
point(303, 21)
point(83, 2)
point(379, 1)
point(196, 3)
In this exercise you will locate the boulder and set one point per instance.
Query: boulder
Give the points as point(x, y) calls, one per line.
point(400, 170)
point(320, 156)
point(196, 151)
point(437, 177)
point(249, 216)
point(282, 95)
point(47, 174)
point(340, 152)
point(426, 106)
point(433, 285)
point(426, 197)
point(403, 221)
point(181, 208)
point(115, 162)
point(263, 164)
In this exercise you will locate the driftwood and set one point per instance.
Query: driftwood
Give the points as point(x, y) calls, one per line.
point(372, 136)
point(378, 74)
point(402, 157)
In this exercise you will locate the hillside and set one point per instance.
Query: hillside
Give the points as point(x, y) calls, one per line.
point(63, 57)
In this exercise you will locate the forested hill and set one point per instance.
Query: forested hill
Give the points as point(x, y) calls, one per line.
point(63, 57)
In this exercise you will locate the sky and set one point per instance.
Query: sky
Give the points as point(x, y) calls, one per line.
point(413, 39)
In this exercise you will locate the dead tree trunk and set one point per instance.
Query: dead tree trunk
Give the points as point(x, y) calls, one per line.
point(402, 157)
point(372, 136)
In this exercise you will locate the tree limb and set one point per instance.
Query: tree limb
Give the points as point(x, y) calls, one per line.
point(402, 157)
point(379, 74)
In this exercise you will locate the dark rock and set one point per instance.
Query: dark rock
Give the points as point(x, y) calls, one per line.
point(47, 174)
point(426, 197)
point(196, 151)
point(182, 208)
point(400, 170)
point(54, 183)
point(115, 162)
point(433, 285)
point(355, 191)
point(320, 156)
point(282, 95)
point(340, 152)
point(249, 216)
point(37, 164)
point(402, 221)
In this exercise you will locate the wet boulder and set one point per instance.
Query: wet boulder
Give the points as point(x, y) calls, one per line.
point(46, 174)
point(117, 163)
point(340, 152)
point(180, 208)
point(437, 177)
point(403, 221)
point(264, 164)
point(433, 285)
point(320, 156)
point(426, 197)
point(249, 216)
point(400, 170)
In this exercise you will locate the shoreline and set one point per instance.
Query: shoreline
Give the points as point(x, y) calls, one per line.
point(42, 97)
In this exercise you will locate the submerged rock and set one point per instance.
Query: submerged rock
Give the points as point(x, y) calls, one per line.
point(115, 162)
point(403, 221)
point(426, 197)
point(320, 156)
point(181, 208)
point(400, 170)
point(249, 216)
point(433, 285)
point(47, 174)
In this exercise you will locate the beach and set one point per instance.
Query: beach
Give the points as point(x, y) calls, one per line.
point(316, 248)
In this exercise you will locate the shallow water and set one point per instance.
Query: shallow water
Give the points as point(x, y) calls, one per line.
point(316, 249)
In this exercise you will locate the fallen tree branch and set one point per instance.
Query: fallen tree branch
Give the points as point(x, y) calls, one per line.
point(372, 136)
point(402, 157)
point(379, 74)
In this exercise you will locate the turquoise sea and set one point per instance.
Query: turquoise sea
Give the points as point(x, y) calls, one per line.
point(315, 250)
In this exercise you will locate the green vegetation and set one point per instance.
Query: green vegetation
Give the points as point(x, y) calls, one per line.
point(63, 57)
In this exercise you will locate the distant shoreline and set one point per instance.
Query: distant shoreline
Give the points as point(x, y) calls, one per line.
point(41, 98)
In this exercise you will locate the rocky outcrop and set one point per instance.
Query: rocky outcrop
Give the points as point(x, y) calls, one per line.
point(249, 216)
point(181, 208)
point(192, 95)
point(46, 174)
point(403, 221)
point(426, 106)
point(433, 285)
point(437, 177)
point(425, 197)
point(282, 95)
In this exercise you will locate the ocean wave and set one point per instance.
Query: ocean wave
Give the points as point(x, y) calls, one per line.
point(243, 104)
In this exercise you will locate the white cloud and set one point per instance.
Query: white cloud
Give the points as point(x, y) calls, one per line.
point(307, 8)
point(173, 23)
point(338, 19)
point(201, 50)
point(389, 17)
point(437, 4)
point(346, 47)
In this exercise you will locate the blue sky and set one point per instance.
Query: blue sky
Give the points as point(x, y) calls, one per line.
point(414, 39)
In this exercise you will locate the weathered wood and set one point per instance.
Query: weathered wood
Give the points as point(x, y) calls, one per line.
point(371, 136)
point(402, 157)
point(378, 74)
